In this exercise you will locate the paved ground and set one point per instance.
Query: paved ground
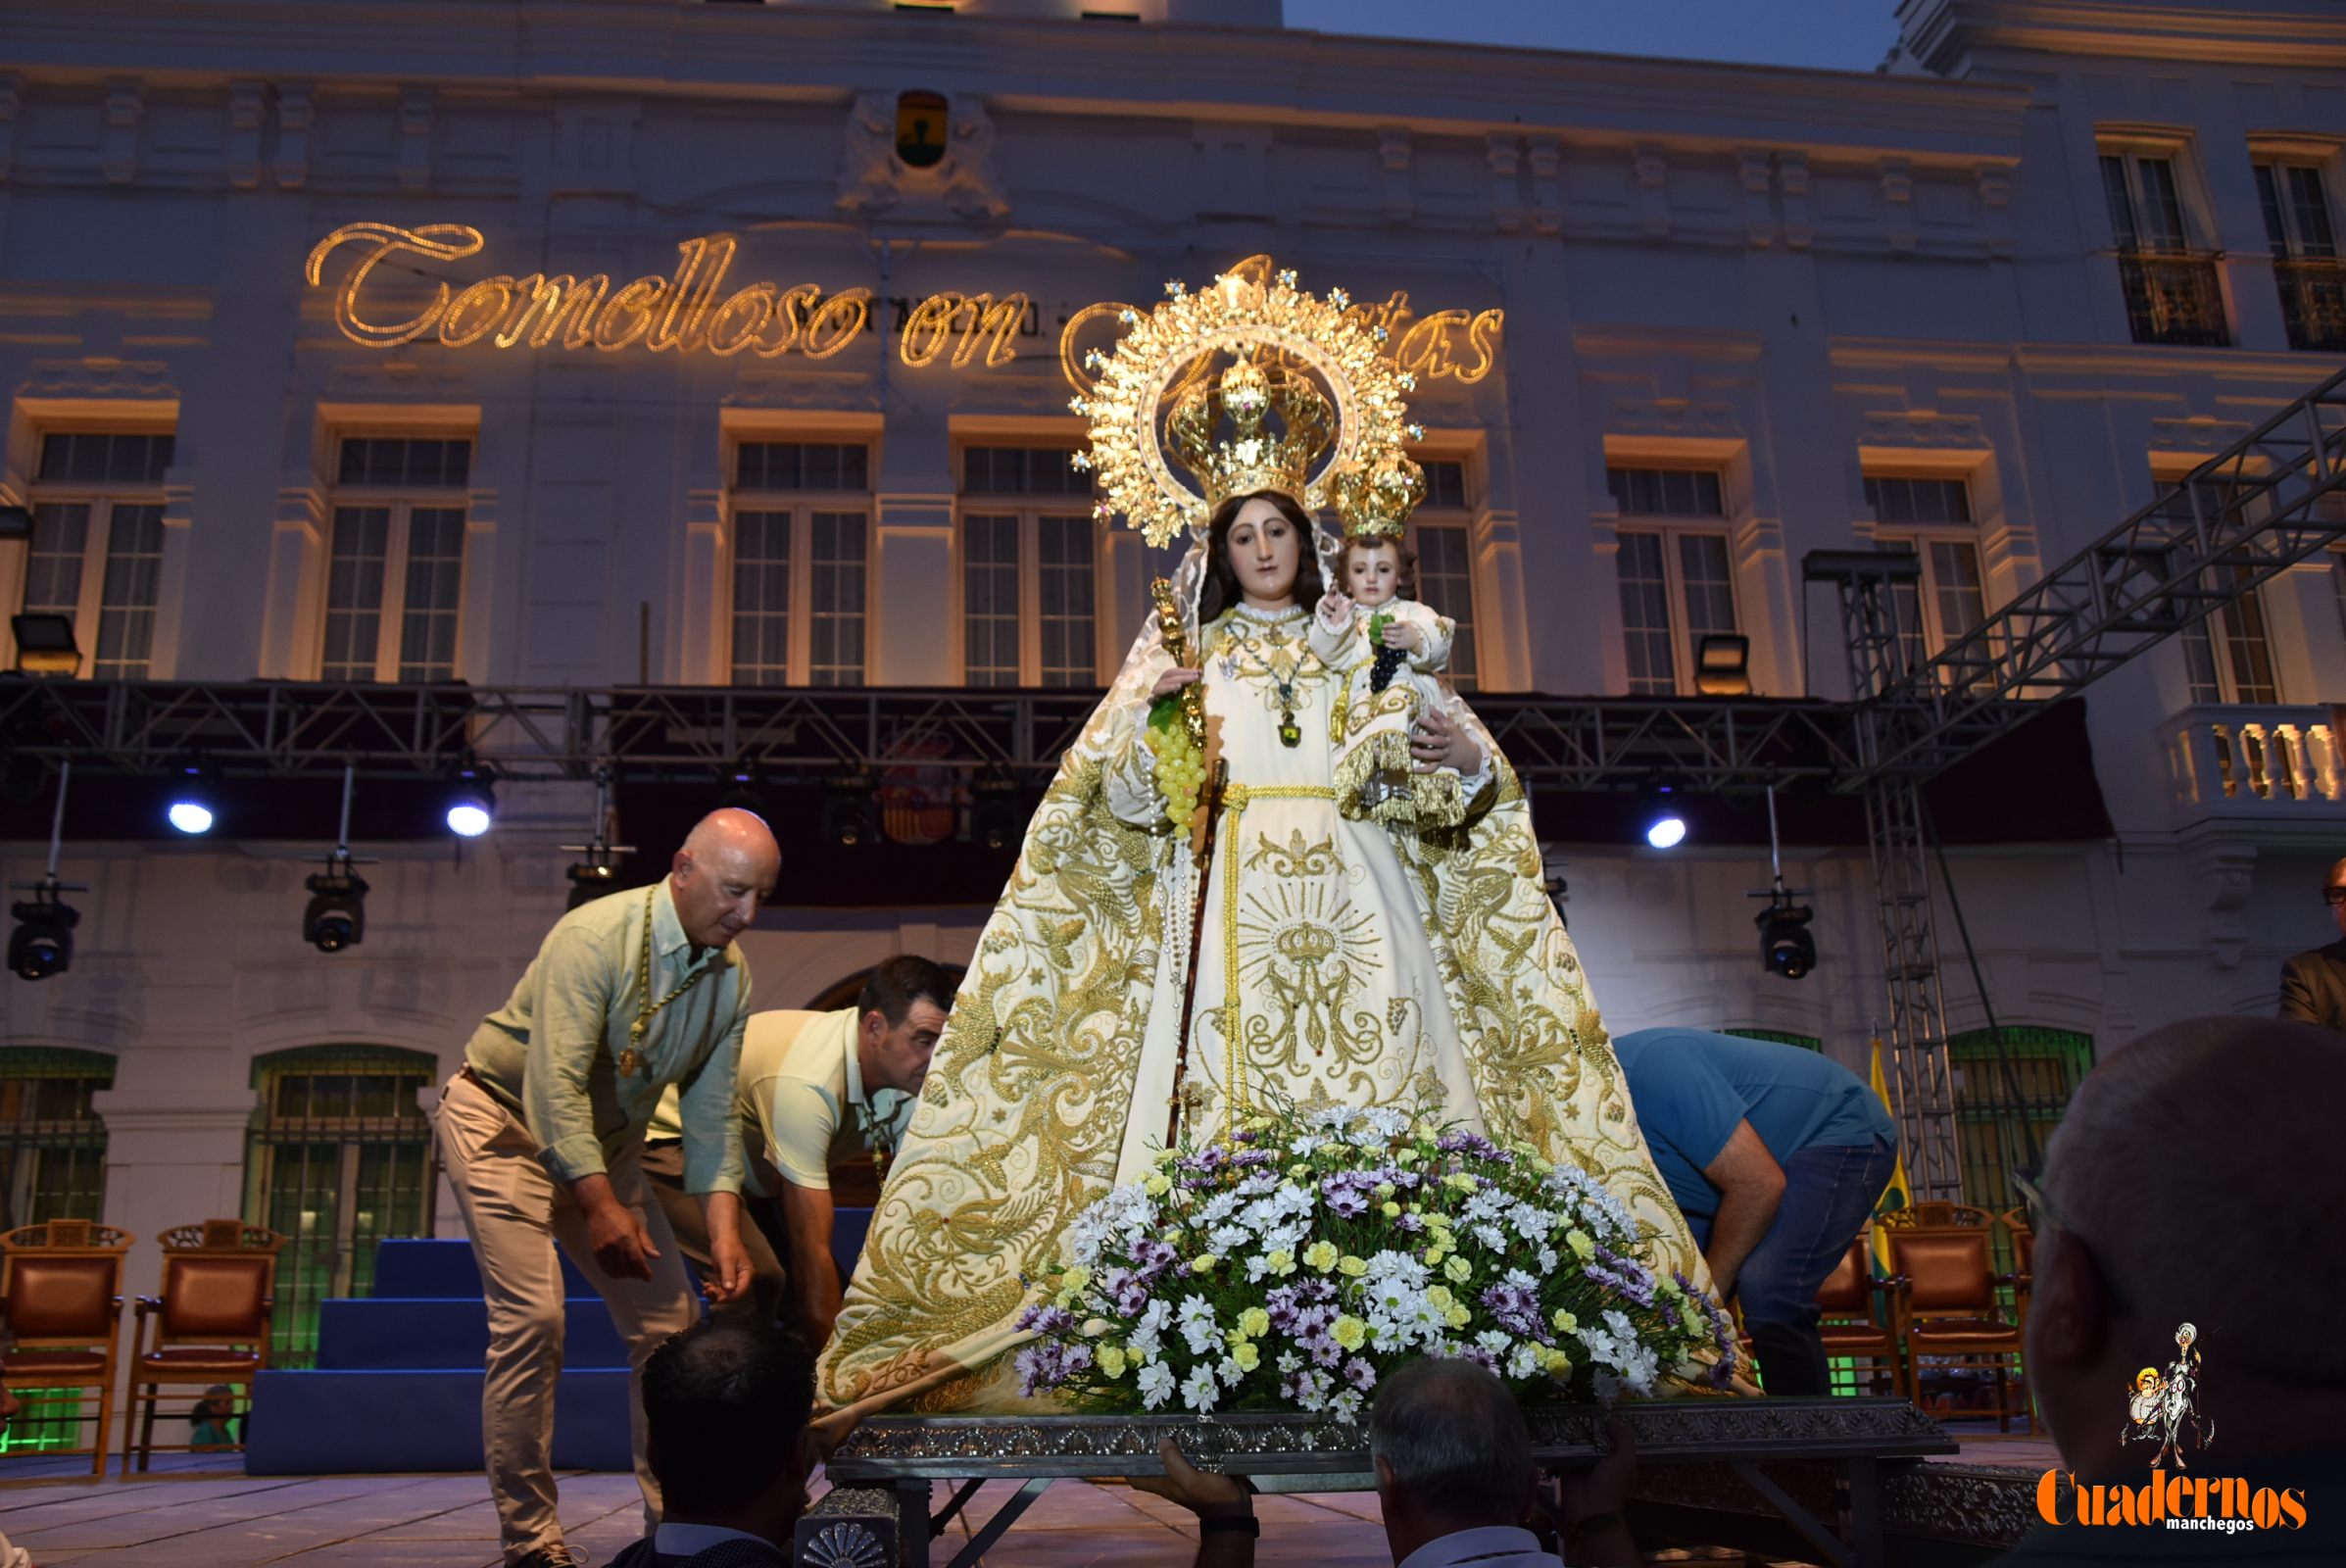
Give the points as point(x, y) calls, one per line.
point(199, 1515)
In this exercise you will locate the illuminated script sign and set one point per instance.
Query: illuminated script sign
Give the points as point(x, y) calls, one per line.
point(698, 309)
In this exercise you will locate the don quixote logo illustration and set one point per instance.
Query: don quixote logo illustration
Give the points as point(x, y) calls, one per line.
point(2163, 1414)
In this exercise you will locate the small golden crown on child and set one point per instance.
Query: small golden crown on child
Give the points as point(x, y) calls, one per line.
point(1374, 498)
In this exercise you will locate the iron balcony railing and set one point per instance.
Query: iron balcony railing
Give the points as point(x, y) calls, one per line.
point(2174, 297)
point(2313, 296)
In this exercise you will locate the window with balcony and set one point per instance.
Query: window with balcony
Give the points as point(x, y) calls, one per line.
point(395, 564)
point(2171, 290)
point(2305, 255)
point(1441, 532)
point(1030, 584)
point(800, 579)
point(1931, 515)
point(1030, 571)
point(1677, 581)
point(2227, 657)
point(96, 552)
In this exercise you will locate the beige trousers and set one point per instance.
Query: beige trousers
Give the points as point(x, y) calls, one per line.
point(516, 1214)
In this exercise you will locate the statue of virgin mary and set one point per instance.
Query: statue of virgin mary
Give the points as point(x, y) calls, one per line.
point(1338, 960)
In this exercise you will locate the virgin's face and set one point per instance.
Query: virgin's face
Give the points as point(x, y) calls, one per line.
point(1263, 553)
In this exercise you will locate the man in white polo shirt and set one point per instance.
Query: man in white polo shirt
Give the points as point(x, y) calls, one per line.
point(813, 1088)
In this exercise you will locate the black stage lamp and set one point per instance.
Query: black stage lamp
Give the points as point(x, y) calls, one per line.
point(746, 791)
point(472, 804)
point(1787, 947)
point(1661, 813)
point(45, 644)
point(848, 817)
point(336, 917)
point(591, 878)
point(193, 809)
point(42, 944)
point(598, 872)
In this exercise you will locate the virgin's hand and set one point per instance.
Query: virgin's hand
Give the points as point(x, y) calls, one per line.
point(1435, 742)
point(1171, 681)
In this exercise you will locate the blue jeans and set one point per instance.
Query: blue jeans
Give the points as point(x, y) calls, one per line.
point(1828, 1193)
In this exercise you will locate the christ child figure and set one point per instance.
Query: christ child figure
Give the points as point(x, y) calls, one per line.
point(1391, 651)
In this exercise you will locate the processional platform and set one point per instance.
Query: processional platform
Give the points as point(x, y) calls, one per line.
point(1817, 1470)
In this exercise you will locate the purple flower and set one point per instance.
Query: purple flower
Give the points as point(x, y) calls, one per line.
point(1154, 1257)
point(1360, 1374)
point(1347, 1203)
point(1048, 1364)
point(1325, 1352)
point(1045, 1318)
point(1517, 1310)
point(1127, 1290)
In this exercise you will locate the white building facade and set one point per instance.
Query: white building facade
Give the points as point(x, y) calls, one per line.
point(1677, 324)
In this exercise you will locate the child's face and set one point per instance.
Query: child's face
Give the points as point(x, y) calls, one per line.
point(1372, 572)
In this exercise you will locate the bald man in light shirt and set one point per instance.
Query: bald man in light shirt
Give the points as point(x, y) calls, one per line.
point(542, 1137)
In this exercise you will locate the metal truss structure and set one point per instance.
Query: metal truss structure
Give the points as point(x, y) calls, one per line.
point(695, 733)
point(2267, 502)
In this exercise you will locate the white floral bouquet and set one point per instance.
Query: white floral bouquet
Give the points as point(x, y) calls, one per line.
point(1295, 1264)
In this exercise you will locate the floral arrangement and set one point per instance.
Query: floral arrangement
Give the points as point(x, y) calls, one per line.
point(1294, 1265)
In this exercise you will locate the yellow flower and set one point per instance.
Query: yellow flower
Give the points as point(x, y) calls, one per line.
point(1321, 1255)
point(1544, 1167)
point(1075, 1278)
point(1385, 1189)
point(1352, 1267)
point(1392, 1212)
point(1281, 1261)
point(1408, 1157)
point(1111, 1360)
point(1297, 1171)
point(1457, 1316)
point(1254, 1323)
point(1438, 1297)
point(1583, 1245)
point(1245, 1354)
point(1203, 1263)
point(1460, 1181)
point(1349, 1331)
point(1565, 1322)
point(1156, 1184)
point(1459, 1269)
point(1557, 1363)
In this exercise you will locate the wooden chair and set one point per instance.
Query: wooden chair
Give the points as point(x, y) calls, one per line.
point(1849, 1324)
point(1944, 1295)
point(61, 1288)
point(209, 1324)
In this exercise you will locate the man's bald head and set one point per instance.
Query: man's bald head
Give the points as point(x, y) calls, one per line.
point(724, 872)
point(2201, 1165)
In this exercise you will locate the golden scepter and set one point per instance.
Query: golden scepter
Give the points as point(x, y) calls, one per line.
point(1206, 734)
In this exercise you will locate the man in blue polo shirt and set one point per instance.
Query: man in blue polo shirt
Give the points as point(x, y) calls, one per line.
point(1775, 1156)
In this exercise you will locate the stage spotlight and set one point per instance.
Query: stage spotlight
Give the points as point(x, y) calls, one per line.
point(996, 819)
point(1785, 946)
point(473, 804)
point(848, 817)
point(45, 645)
point(1661, 814)
point(42, 944)
point(191, 809)
point(590, 879)
point(744, 790)
point(336, 917)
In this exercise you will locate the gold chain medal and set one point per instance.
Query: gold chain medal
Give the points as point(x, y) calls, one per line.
point(631, 1059)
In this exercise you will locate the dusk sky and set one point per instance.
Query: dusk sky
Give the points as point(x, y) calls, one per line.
point(1836, 34)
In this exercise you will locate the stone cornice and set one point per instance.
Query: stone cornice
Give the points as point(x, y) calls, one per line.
point(1170, 73)
point(2308, 35)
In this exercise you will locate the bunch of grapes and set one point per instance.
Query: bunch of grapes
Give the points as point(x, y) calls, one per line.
point(1389, 660)
point(1180, 765)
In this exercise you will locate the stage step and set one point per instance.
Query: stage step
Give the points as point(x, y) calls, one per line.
point(398, 1381)
point(326, 1423)
point(420, 1335)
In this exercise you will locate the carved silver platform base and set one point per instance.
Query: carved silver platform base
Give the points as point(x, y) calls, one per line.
point(1848, 1441)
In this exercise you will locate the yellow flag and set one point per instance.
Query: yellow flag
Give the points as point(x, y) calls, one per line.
point(1898, 1194)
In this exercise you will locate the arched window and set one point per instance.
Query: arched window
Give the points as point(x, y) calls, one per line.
point(340, 1157)
point(52, 1143)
